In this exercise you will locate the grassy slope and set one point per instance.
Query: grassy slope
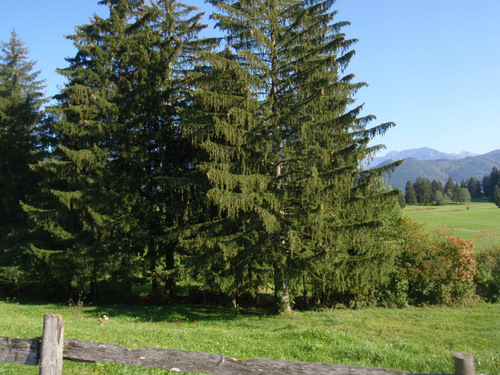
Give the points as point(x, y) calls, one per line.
point(479, 222)
point(421, 340)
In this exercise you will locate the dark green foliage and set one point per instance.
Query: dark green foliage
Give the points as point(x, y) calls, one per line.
point(474, 187)
point(282, 144)
point(490, 184)
point(423, 191)
point(439, 197)
point(235, 171)
point(21, 98)
point(225, 244)
point(437, 186)
point(401, 200)
point(112, 182)
point(450, 188)
point(238, 169)
point(496, 195)
point(487, 278)
point(410, 195)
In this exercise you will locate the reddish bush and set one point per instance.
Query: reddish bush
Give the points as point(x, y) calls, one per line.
point(437, 269)
point(463, 260)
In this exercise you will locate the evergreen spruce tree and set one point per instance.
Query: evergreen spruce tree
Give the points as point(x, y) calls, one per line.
point(423, 190)
point(436, 186)
point(111, 179)
point(410, 195)
point(449, 188)
point(474, 187)
point(300, 200)
point(227, 243)
point(496, 195)
point(486, 185)
point(21, 98)
point(490, 181)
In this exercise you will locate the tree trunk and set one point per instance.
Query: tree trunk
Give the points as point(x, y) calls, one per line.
point(281, 291)
point(155, 285)
point(93, 283)
point(304, 286)
point(171, 284)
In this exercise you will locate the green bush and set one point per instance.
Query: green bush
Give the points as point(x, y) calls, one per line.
point(487, 278)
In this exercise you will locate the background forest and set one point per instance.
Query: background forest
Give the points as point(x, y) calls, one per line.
point(424, 191)
point(224, 169)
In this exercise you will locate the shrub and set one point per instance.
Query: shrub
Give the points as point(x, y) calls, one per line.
point(411, 266)
point(487, 278)
point(437, 269)
point(458, 285)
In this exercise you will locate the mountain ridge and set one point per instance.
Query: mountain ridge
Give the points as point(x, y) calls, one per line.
point(423, 153)
point(437, 165)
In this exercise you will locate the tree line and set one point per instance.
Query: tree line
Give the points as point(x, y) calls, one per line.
point(424, 191)
point(227, 165)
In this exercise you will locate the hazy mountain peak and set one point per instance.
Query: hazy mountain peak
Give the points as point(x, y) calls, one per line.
point(423, 153)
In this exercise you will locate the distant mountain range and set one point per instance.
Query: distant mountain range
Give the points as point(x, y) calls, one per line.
point(423, 153)
point(432, 164)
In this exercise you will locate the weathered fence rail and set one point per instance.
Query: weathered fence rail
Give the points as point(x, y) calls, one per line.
point(48, 353)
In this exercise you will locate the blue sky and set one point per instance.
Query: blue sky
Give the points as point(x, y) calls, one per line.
point(433, 66)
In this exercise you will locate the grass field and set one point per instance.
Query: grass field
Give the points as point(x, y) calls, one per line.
point(420, 340)
point(479, 222)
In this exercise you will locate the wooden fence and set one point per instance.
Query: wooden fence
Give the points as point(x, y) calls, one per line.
point(49, 351)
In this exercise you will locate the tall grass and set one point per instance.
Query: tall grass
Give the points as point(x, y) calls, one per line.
point(419, 340)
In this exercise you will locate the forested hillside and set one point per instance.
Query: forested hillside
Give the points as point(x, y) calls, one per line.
point(440, 170)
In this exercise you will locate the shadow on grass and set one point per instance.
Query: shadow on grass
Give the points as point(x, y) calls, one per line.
point(174, 312)
point(149, 312)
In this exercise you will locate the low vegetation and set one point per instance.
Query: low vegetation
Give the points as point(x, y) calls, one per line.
point(419, 340)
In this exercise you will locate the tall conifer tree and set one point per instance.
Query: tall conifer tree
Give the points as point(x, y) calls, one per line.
point(21, 98)
point(284, 162)
point(223, 122)
point(410, 195)
point(118, 144)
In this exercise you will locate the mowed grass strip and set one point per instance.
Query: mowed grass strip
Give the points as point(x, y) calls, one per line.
point(479, 222)
point(420, 340)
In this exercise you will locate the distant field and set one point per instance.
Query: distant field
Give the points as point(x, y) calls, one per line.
point(420, 340)
point(479, 222)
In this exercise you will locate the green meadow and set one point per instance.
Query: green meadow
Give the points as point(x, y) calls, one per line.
point(419, 340)
point(475, 221)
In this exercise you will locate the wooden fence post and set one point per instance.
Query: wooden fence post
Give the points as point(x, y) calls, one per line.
point(464, 364)
point(51, 351)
